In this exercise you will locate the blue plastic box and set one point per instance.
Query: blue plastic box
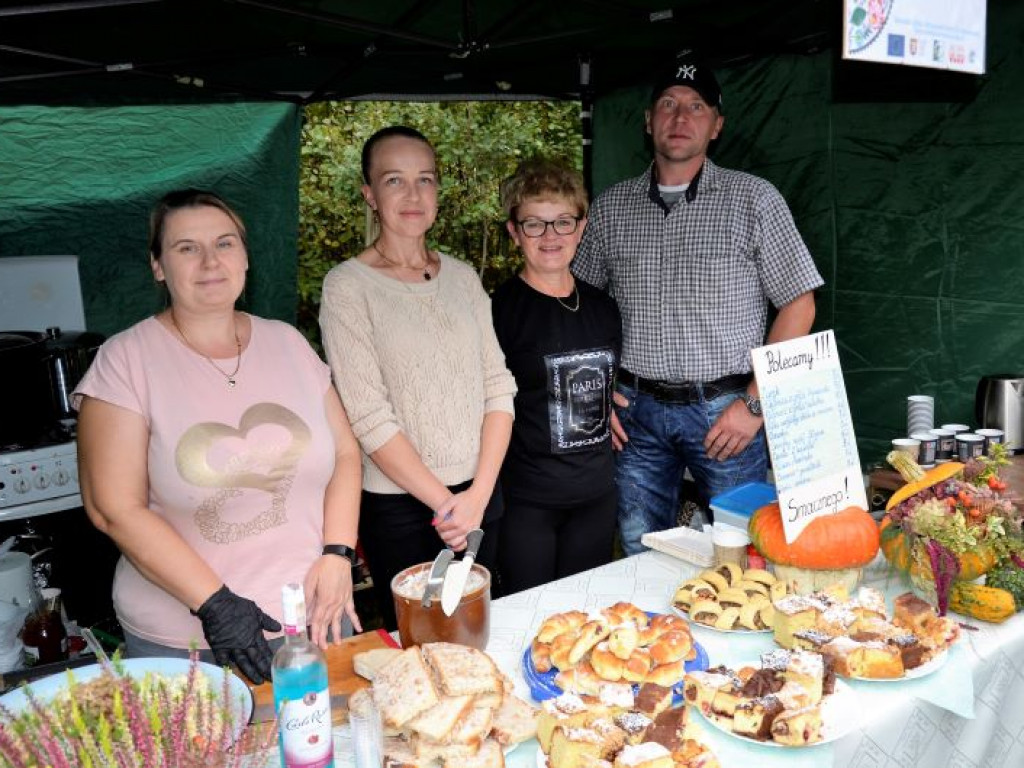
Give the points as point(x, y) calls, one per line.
point(737, 505)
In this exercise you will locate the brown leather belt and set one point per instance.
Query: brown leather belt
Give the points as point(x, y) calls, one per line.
point(685, 392)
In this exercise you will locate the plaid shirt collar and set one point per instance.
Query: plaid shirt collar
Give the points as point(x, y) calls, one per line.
point(707, 177)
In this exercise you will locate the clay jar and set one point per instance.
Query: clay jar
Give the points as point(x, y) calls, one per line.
point(469, 624)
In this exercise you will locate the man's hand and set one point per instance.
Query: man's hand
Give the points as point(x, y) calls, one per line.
point(619, 437)
point(732, 431)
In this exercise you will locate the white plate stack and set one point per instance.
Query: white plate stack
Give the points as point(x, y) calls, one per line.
point(920, 413)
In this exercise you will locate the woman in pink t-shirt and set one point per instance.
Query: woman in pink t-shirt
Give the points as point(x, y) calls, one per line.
point(216, 454)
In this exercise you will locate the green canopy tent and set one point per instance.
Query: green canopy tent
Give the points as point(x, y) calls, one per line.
point(902, 181)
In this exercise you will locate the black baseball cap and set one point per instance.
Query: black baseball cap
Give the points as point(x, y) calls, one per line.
point(688, 71)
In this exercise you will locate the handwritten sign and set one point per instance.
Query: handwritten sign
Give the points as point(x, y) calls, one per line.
point(809, 429)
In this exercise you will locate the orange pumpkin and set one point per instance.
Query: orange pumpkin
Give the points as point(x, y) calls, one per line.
point(897, 548)
point(847, 539)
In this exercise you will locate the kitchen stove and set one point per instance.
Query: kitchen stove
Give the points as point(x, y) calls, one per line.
point(39, 479)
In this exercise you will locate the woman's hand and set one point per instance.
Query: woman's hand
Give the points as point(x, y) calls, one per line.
point(460, 514)
point(328, 587)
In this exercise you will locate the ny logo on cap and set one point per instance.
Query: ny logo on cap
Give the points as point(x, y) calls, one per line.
point(687, 72)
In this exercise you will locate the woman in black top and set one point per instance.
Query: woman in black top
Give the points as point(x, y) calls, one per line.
point(561, 339)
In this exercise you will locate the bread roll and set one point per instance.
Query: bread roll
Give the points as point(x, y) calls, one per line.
point(555, 625)
point(715, 579)
point(671, 646)
point(667, 674)
point(606, 664)
point(541, 655)
point(590, 635)
point(623, 640)
point(728, 618)
point(560, 648)
point(637, 666)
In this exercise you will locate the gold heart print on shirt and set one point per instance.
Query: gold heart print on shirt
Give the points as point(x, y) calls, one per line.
point(250, 460)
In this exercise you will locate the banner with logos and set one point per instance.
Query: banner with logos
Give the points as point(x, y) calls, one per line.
point(941, 34)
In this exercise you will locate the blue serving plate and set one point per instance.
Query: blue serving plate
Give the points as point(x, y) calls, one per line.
point(542, 684)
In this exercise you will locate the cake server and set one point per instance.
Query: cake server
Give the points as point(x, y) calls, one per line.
point(455, 581)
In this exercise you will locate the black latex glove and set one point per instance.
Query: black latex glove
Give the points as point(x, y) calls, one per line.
point(233, 627)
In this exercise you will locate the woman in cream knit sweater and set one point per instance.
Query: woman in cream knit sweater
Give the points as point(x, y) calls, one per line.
point(409, 337)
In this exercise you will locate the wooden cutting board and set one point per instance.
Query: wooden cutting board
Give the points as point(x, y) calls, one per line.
point(342, 679)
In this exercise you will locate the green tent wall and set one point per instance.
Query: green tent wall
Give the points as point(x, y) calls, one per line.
point(81, 181)
point(914, 213)
point(912, 208)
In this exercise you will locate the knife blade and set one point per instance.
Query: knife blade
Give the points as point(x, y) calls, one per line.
point(458, 574)
point(436, 578)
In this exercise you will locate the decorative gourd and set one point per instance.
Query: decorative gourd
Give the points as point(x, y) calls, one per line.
point(847, 539)
point(830, 550)
point(917, 479)
point(981, 602)
point(897, 548)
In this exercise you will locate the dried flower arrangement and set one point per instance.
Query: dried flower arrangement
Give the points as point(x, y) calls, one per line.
point(119, 721)
point(952, 523)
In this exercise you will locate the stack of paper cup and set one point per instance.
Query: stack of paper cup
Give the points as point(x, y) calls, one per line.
point(920, 413)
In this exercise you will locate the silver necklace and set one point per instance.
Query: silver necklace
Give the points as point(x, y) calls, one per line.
point(574, 291)
point(238, 345)
point(426, 262)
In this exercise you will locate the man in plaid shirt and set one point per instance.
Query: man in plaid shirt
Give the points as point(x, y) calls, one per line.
point(692, 253)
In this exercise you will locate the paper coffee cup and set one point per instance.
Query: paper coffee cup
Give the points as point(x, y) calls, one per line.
point(730, 544)
point(907, 445)
point(929, 446)
point(957, 428)
point(969, 446)
point(946, 449)
point(992, 437)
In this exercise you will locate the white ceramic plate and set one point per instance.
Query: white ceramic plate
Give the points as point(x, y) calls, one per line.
point(685, 615)
point(46, 688)
point(839, 716)
point(933, 665)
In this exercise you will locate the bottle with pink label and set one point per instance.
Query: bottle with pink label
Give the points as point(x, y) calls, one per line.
point(301, 695)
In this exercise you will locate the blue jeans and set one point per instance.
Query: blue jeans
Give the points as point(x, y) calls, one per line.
point(665, 439)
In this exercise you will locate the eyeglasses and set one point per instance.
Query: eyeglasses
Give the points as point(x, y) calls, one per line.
point(563, 225)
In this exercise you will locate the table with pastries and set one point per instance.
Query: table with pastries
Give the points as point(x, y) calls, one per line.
point(968, 713)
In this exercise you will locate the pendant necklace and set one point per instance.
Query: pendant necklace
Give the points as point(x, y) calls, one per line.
point(238, 345)
point(426, 262)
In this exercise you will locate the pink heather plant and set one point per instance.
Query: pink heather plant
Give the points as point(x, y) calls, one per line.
point(148, 730)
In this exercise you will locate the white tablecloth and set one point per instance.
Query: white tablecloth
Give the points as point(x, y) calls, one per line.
point(897, 727)
point(983, 679)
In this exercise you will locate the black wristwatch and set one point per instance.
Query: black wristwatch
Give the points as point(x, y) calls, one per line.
point(753, 404)
point(341, 550)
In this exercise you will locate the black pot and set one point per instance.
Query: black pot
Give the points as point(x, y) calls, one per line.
point(68, 357)
point(24, 388)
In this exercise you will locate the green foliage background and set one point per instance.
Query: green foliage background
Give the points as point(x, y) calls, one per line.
point(478, 144)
